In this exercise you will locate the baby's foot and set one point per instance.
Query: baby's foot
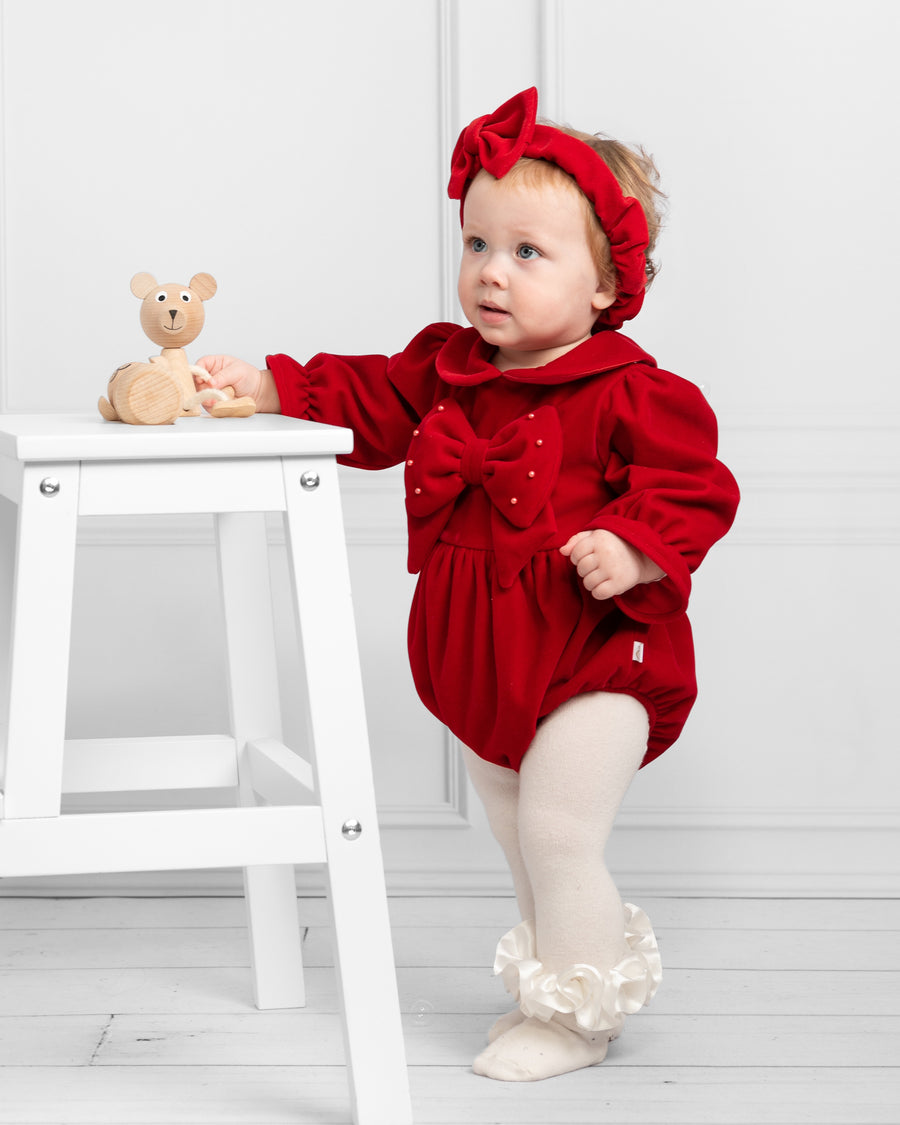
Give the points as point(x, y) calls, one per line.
point(504, 1023)
point(532, 1050)
point(516, 1016)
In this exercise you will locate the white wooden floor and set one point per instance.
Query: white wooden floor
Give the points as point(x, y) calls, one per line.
point(138, 1010)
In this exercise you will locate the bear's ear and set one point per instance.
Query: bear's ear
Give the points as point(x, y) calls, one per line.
point(143, 284)
point(204, 285)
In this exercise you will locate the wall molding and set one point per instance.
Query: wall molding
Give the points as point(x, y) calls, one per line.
point(760, 819)
point(550, 60)
point(802, 417)
point(453, 812)
point(4, 264)
point(773, 879)
point(448, 130)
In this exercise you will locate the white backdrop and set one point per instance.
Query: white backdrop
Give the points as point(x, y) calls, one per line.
point(298, 152)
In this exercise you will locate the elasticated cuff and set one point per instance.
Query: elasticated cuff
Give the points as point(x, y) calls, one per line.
point(651, 603)
point(291, 383)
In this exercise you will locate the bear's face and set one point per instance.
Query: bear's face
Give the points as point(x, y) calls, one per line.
point(172, 314)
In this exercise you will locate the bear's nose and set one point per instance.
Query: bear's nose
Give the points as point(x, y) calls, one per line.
point(173, 313)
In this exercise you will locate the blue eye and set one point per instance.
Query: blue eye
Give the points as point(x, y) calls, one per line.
point(527, 253)
point(478, 245)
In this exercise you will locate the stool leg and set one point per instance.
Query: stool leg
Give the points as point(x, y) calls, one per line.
point(271, 893)
point(41, 623)
point(363, 951)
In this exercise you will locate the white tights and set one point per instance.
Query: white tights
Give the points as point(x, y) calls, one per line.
point(553, 820)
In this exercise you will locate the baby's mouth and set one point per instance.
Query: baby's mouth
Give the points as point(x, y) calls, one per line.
point(492, 312)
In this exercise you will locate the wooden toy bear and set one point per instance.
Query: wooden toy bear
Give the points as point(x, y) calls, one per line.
point(158, 392)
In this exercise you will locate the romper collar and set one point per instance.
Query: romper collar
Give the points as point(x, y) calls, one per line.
point(465, 360)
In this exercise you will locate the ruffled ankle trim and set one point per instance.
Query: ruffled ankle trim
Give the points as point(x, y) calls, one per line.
point(599, 1001)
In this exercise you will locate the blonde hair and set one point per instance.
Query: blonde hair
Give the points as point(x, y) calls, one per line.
point(636, 175)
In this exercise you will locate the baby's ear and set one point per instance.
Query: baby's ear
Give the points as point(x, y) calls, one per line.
point(204, 285)
point(602, 300)
point(142, 284)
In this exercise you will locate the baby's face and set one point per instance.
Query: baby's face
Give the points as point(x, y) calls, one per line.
point(527, 280)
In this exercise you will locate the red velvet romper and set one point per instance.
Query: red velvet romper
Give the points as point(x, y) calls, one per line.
point(502, 468)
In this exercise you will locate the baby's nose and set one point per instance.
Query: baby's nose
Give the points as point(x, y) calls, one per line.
point(492, 270)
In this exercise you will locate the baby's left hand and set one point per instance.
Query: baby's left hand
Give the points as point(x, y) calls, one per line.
point(608, 565)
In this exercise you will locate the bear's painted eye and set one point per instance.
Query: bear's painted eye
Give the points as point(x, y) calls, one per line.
point(185, 296)
point(162, 296)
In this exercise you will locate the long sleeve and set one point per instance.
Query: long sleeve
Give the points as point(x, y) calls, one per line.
point(380, 398)
point(673, 497)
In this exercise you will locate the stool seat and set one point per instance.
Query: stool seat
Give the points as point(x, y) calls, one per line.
point(312, 804)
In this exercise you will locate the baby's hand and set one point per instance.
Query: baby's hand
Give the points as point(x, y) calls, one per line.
point(228, 371)
point(608, 565)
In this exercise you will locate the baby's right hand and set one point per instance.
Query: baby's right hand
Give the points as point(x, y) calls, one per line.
point(228, 371)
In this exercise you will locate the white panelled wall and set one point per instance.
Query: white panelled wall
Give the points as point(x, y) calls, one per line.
point(299, 153)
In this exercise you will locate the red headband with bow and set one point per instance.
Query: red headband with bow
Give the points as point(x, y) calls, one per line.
point(496, 141)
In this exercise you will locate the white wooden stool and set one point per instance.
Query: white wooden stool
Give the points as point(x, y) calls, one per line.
point(56, 468)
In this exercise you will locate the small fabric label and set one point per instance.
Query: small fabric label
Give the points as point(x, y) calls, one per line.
point(637, 654)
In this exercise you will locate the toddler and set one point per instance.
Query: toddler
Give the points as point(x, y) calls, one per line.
point(560, 489)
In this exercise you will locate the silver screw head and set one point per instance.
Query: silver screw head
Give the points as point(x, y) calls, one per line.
point(49, 486)
point(309, 480)
point(351, 829)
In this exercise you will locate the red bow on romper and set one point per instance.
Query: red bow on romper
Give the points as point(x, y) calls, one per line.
point(517, 468)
